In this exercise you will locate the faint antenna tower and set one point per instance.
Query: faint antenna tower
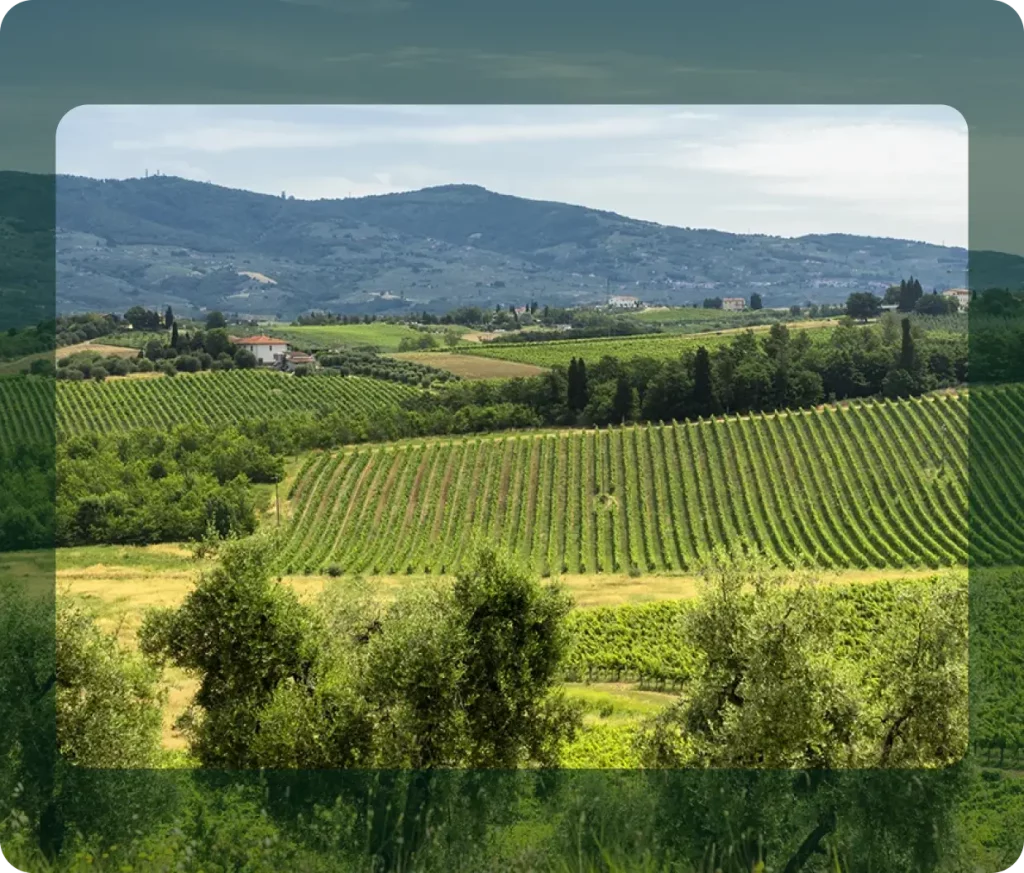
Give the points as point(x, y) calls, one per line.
point(147, 173)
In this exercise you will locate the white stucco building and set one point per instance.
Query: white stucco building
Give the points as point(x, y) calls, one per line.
point(734, 304)
point(961, 295)
point(266, 349)
point(622, 302)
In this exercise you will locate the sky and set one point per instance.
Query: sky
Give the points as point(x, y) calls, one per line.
point(781, 170)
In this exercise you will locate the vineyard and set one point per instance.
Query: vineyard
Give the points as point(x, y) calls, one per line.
point(872, 484)
point(646, 644)
point(211, 398)
point(660, 346)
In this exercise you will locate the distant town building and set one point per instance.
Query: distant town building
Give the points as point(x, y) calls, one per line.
point(734, 304)
point(622, 302)
point(266, 349)
point(961, 295)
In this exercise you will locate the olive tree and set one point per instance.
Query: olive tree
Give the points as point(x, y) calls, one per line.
point(807, 727)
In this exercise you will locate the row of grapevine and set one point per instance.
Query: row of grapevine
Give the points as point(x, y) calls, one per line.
point(28, 414)
point(872, 484)
point(32, 406)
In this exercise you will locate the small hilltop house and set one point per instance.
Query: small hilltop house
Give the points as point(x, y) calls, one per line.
point(268, 351)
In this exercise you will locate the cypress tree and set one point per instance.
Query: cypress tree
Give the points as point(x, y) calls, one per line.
point(168, 317)
point(702, 388)
point(622, 405)
point(174, 334)
point(907, 357)
point(581, 384)
point(572, 397)
point(905, 303)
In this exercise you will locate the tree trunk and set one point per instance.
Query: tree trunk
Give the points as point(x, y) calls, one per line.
point(826, 825)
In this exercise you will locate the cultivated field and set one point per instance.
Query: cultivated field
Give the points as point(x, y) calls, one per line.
point(385, 337)
point(471, 366)
point(209, 397)
point(686, 319)
point(560, 352)
point(871, 484)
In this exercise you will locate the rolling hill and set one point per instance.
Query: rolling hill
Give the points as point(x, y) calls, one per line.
point(165, 240)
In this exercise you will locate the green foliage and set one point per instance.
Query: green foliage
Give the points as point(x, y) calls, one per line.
point(444, 677)
point(359, 362)
point(215, 319)
point(777, 689)
point(515, 643)
point(144, 487)
point(909, 294)
point(244, 359)
point(686, 376)
point(863, 305)
point(141, 318)
point(419, 343)
point(242, 635)
point(109, 711)
point(27, 481)
point(936, 304)
point(634, 642)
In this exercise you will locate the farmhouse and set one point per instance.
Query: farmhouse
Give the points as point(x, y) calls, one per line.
point(961, 295)
point(734, 304)
point(266, 349)
point(621, 302)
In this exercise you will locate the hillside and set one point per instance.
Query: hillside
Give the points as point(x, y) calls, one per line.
point(819, 487)
point(165, 240)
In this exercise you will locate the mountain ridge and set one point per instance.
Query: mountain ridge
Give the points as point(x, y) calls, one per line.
point(164, 240)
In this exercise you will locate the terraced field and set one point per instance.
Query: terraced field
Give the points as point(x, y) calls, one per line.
point(212, 398)
point(872, 484)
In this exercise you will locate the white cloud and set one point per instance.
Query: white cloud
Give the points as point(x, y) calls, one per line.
point(880, 163)
point(258, 134)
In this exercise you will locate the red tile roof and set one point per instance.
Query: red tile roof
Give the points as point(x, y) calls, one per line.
point(261, 340)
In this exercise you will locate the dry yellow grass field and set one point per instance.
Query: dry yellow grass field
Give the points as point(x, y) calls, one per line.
point(117, 584)
point(23, 363)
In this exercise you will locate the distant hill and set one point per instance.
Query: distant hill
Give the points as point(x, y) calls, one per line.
point(165, 240)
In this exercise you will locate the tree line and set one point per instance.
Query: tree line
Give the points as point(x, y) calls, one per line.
point(784, 369)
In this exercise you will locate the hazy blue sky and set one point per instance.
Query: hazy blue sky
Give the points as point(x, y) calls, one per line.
point(883, 171)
